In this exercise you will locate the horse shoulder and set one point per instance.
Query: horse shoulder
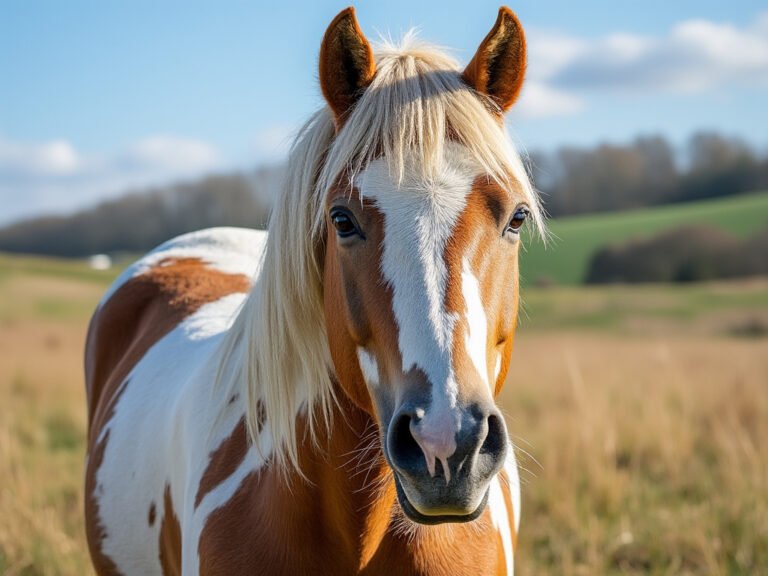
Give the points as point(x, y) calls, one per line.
point(143, 366)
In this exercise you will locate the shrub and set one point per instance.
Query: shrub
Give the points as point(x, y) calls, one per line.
point(686, 254)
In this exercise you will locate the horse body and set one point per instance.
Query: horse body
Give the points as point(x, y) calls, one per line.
point(174, 486)
point(321, 399)
point(154, 420)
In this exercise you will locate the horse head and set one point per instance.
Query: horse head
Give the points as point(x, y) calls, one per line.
point(422, 218)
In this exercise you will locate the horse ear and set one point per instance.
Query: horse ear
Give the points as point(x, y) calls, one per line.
point(498, 67)
point(346, 63)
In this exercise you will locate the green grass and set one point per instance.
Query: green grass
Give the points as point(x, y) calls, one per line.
point(564, 260)
point(12, 264)
point(38, 288)
point(726, 308)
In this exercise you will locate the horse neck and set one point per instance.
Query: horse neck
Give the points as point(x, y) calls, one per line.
point(347, 473)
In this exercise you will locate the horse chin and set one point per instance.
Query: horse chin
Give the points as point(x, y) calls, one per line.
point(413, 514)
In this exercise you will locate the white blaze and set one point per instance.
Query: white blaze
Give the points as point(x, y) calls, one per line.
point(419, 219)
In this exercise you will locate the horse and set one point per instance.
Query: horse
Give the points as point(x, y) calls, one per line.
point(320, 398)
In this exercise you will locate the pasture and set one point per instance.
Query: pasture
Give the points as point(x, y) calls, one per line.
point(575, 239)
point(642, 411)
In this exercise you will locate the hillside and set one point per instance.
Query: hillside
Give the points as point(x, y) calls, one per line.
point(573, 240)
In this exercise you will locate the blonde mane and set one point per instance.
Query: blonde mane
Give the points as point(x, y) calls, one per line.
point(276, 352)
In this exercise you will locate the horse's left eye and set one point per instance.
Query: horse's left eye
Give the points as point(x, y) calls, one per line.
point(518, 219)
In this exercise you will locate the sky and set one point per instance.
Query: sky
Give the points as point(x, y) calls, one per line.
point(100, 97)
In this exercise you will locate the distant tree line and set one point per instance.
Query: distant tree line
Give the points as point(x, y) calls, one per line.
point(646, 172)
point(573, 180)
point(686, 254)
point(139, 221)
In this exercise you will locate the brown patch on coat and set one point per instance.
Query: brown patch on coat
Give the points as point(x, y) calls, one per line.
point(123, 329)
point(478, 237)
point(224, 461)
point(498, 67)
point(358, 302)
point(501, 562)
point(170, 538)
point(498, 275)
point(443, 550)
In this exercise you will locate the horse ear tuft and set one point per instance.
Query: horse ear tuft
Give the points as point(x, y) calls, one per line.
point(498, 67)
point(346, 63)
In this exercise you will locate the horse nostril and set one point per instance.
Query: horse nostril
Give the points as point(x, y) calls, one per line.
point(495, 443)
point(404, 451)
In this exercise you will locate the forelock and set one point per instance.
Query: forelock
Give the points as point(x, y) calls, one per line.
point(416, 103)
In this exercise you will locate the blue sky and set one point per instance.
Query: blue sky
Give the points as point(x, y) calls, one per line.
point(101, 96)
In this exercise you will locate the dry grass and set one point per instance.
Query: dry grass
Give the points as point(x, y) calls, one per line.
point(650, 454)
point(42, 424)
point(650, 451)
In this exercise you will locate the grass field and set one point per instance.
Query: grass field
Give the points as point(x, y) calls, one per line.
point(643, 413)
point(564, 260)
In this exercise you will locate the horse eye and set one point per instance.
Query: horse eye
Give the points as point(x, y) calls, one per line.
point(344, 223)
point(518, 219)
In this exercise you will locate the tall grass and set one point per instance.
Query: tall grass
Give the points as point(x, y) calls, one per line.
point(42, 424)
point(647, 456)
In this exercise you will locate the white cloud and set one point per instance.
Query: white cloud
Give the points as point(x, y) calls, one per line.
point(53, 176)
point(695, 56)
point(171, 153)
point(549, 53)
point(539, 100)
point(57, 157)
point(273, 143)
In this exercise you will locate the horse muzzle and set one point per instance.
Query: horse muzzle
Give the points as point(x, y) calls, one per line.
point(444, 460)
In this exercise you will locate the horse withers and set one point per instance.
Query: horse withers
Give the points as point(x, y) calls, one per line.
point(320, 399)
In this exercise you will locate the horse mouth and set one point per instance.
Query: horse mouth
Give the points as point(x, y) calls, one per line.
point(413, 514)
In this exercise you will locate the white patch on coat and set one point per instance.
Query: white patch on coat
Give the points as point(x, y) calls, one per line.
point(368, 366)
point(476, 340)
point(500, 519)
point(500, 513)
point(513, 476)
point(419, 219)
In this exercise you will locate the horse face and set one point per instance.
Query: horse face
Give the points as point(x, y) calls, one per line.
point(421, 306)
point(420, 288)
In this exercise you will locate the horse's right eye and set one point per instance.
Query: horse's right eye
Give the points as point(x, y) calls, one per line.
point(344, 223)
